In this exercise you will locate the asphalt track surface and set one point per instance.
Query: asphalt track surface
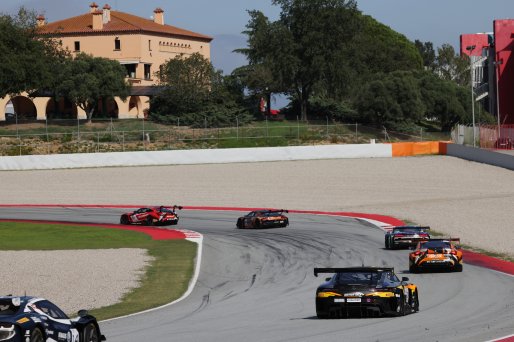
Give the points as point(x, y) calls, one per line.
point(258, 285)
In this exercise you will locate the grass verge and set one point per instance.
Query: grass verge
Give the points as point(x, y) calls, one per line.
point(164, 280)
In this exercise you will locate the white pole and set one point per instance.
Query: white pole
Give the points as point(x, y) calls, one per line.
point(472, 68)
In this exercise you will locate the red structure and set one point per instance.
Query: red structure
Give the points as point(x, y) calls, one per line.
point(503, 58)
point(474, 44)
point(497, 69)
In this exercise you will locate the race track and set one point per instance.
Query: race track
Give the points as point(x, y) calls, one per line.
point(258, 285)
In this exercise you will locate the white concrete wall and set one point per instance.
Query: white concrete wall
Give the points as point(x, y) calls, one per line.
point(180, 157)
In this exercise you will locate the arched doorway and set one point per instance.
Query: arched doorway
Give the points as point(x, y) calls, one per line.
point(107, 109)
point(24, 108)
point(134, 106)
point(63, 109)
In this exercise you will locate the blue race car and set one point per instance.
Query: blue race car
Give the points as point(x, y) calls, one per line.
point(32, 319)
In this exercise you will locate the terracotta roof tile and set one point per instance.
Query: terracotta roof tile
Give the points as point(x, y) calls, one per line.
point(120, 22)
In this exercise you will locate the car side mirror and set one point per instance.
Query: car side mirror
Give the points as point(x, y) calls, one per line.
point(404, 279)
point(82, 313)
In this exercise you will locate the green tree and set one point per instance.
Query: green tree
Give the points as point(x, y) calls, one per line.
point(85, 80)
point(195, 93)
point(305, 46)
point(379, 49)
point(27, 61)
point(427, 52)
point(452, 67)
point(392, 100)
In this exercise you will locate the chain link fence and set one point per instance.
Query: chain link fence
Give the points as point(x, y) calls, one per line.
point(74, 136)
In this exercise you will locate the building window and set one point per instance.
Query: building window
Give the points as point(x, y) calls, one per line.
point(149, 45)
point(147, 71)
point(117, 44)
point(77, 46)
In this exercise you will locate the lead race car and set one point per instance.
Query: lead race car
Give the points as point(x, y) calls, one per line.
point(406, 236)
point(160, 216)
point(366, 292)
point(263, 219)
point(32, 319)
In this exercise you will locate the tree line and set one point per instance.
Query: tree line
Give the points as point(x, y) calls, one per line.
point(328, 58)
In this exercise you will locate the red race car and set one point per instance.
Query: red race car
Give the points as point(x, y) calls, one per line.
point(263, 219)
point(161, 216)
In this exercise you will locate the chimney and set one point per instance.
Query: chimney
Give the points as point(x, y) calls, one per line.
point(159, 16)
point(40, 20)
point(93, 7)
point(106, 14)
point(97, 20)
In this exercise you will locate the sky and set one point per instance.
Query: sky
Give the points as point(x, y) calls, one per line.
point(437, 21)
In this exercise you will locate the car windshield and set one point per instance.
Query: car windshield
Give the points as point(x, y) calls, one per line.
point(166, 210)
point(358, 278)
point(436, 244)
point(272, 213)
point(7, 308)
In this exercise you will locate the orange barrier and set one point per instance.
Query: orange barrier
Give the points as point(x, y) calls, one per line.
point(418, 148)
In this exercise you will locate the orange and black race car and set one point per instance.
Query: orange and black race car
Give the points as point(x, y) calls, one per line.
point(263, 219)
point(365, 292)
point(436, 254)
point(160, 216)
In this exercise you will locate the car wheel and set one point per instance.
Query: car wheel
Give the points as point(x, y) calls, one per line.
point(286, 223)
point(415, 301)
point(90, 333)
point(400, 310)
point(386, 243)
point(239, 223)
point(322, 315)
point(413, 269)
point(149, 221)
point(124, 219)
point(458, 268)
point(36, 336)
point(257, 224)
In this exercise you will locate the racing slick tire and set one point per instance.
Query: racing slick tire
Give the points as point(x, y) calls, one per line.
point(285, 224)
point(36, 336)
point(413, 269)
point(414, 301)
point(90, 333)
point(400, 310)
point(322, 315)
point(386, 243)
point(149, 221)
point(124, 219)
point(257, 224)
point(458, 268)
point(240, 223)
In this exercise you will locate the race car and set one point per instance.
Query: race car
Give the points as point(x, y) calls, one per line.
point(436, 254)
point(406, 236)
point(32, 319)
point(263, 219)
point(160, 216)
point(365, 292)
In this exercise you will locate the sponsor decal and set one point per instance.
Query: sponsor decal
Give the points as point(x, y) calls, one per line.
point(353, 300)
point(354, 294)
point(23, 320)
point(339, 300)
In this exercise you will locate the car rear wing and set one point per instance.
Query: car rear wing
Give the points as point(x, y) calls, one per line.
point(445, 239)
point(350, 269)
point(411, 227)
